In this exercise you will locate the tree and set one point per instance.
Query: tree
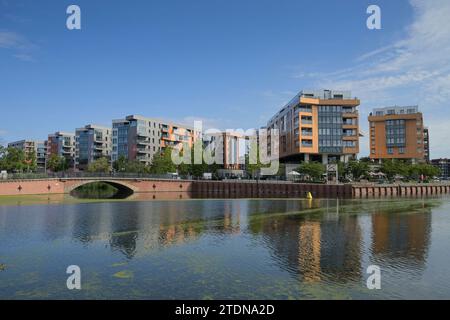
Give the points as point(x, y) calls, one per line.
point(254, 168)
point(120, 165)
point(358, 169)
point(391, 168)
point(12, 159)
point(162, 162)
point(2, 156)
point(281, 170)
point(194, 169)
point(315, 170)
point(31, 161)
point(134, 166)
point(100, 165)
point(365, 159)
point(57, 163)
point(422, 169)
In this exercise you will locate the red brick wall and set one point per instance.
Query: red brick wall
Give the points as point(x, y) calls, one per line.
point(29, 187)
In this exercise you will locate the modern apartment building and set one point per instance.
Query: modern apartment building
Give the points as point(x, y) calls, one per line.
point(398, 133)
point(62, 144)
point(29, 146)
point(140, 138)
point(317, 126)
point(41, 155)
point(228, 145)
point(444, 166)
point(91, 143)
point(426, 144)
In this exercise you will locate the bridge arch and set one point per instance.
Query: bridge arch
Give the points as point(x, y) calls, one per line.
point(125, 190)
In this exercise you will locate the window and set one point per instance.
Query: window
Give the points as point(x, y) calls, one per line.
point(390, 150)
point(401, 150)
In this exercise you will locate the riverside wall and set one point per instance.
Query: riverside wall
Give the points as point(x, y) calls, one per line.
point(226, 189)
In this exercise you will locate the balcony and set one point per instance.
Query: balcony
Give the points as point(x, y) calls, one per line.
point(350, 138)
point(350, 150)
point(143, 134)
point(143, 158)
point(353, 114)
point(350, 124)
point(143, 142)
point(143, 151)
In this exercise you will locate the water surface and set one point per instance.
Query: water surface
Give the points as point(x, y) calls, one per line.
point(225, 249)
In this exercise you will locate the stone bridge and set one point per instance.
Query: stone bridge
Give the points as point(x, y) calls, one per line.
point(212, 189)
point(67, 185)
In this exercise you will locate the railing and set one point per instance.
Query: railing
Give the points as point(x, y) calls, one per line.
point(87, 175)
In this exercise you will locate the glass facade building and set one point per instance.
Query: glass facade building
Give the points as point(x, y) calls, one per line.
point(140, 138)
point(398, 133)
point(318, 125)
point(92, 143)
point(38, 147)
point(62, 144)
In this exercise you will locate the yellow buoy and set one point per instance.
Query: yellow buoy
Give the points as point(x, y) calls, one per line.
point(309, 196)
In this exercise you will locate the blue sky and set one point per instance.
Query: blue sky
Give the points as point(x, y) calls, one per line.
point(230, 63)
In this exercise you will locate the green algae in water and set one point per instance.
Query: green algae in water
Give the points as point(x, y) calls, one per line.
point(119, 264)
point(125, 274)
point(2, 266)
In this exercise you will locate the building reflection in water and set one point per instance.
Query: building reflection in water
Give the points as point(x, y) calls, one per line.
point(402, 236)
point(312, 239)
point(309, 251)
point(135, 227)
point(313, 245)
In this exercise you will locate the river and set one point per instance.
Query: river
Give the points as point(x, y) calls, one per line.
point(225, 248)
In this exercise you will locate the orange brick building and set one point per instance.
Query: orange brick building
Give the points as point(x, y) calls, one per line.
point(317, 126)
point(398, 133)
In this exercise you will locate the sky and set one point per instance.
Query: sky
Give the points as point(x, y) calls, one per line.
point(231, 63)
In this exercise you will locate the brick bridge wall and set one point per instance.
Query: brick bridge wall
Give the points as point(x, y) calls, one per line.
point(58, 186)
point(228, 189)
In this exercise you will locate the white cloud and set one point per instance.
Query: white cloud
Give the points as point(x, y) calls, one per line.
point(12, 40)
point(413, 70)
point(24, 57)
point(17, 43)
